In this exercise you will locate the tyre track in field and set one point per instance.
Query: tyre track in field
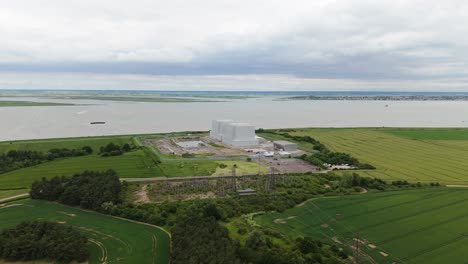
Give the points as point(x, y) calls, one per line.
point(425, 228)
point(102, 248)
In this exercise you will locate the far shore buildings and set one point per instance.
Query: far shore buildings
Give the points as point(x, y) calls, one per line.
point(234, 133)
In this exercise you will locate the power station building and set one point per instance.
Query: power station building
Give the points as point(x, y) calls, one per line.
point(233, 133)
point(285, 145)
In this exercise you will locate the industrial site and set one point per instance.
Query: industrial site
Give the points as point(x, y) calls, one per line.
point(232, 140)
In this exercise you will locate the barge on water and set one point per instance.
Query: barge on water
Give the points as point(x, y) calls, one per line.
point(98, 123)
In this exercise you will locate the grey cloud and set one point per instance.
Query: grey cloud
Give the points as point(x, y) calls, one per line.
point(343, 40)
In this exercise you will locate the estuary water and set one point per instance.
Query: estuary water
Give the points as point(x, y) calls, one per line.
point(137, 117)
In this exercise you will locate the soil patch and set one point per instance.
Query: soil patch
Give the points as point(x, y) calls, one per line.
point(67, 214)
point(283, 220)
point(142, 194)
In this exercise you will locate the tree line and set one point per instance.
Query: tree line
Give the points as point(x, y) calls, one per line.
point(112, 149)
point(17, 159)
point(41, 240)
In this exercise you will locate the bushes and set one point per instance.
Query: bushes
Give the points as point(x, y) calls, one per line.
point(188, 155)
point(39, 240)
point(112, 149)
point(197, 237)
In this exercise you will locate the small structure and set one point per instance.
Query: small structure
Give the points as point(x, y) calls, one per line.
point(189, 144)
point(233, 133)
point(340, 167)
point(246, 192)
point(285, 145)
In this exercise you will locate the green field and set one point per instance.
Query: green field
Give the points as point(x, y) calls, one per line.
point(425, 155)
point(243, 168)
point(133, 164)
point(9, 193)
point(111, 240)
point(140, 163)
point(26, 103)
point(413, 226)
point(70, 143)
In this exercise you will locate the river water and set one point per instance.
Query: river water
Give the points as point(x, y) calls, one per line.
point(138, 117)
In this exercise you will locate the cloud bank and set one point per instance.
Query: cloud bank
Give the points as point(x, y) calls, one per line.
point(285, 44)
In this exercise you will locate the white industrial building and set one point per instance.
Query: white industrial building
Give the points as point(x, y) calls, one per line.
point(285, 145)
point(233, 133)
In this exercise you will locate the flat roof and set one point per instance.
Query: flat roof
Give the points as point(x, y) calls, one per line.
point(240, 124)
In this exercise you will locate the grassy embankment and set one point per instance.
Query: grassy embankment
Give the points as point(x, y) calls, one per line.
point(413, 226)
point(412, 154)
point(111, 239)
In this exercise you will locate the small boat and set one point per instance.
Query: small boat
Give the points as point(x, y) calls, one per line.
point(98, 123)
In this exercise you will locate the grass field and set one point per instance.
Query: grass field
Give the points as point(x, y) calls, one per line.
point(140, 163)
point(44, 145)
point(243, 168)
point(26, 103)
point(133, 164)
point(111, 240)
point(425, 155)
point(414, 226)
point(9, 193)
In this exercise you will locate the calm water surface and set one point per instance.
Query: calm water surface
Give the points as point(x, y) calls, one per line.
point(136, 117)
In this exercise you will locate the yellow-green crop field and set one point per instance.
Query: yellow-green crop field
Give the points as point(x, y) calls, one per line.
point(422, 226)
point(111, 240)
point(412, 154)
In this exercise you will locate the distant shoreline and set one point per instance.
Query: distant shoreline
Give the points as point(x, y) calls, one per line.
point(379, 97)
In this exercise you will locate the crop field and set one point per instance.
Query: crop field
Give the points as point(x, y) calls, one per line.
point(413, 226)
point(111, 239)
point(424, 155)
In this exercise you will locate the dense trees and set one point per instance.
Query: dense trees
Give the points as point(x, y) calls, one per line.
point(88, 189)
point(112, 149)
point(16, 159)
point(197, 237)
point(39, 240)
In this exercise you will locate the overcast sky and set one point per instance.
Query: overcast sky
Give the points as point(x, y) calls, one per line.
point(234, 45)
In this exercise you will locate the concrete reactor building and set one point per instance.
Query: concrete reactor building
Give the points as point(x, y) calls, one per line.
point(233, 133)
